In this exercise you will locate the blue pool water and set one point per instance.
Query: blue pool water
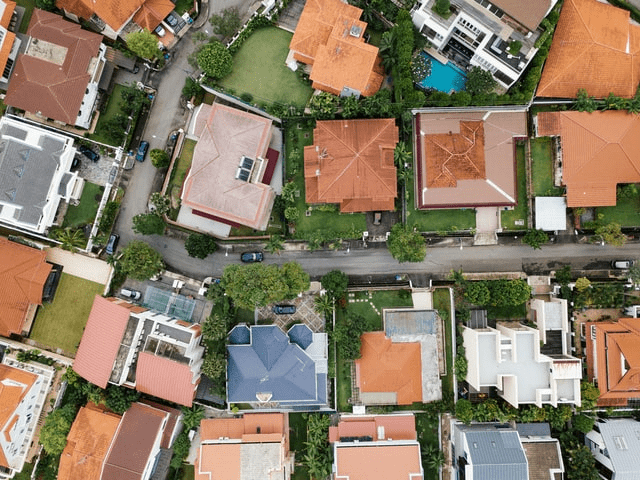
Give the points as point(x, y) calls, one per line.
point(444, 77)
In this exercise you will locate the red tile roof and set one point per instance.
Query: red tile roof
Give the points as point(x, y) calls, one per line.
point(152, 13)
point(351, 163)
point(595, 47)
point(115, 13)
point(238, 428)
point(599, 150)
point(23, 273)
point(396, 427)
point(166, 379)
point(53, 84)
point(101, 340)
point(370, 461)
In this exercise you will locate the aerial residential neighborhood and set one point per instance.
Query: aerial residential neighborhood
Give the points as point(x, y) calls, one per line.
point(319, 239)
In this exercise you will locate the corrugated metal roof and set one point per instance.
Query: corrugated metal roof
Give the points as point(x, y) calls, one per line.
point(497, 455)
point(551, 213)
point(622, 440)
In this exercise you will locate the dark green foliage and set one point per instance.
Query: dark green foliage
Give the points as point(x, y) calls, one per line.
point(535, 239)
point(159, 158)
point(479, 81)
point(442, 7)
point(192, 416)
point(216, 326)
point(406, 245)
point(335, 283)
point(347, 336)
point(199, 245)
point(48, 5)
point(461, 366)
point(323, 106)
point(118, 399)
point(191, 88)
point(246, 97)
point(318, 457)
point(53, 435)
point(139, 261)
point(585, 103)
point(563, 276)
point(464, 411)
point(180, 449)
point(227, 23)
point(514, 47)
point(582, 423)
point(132, 100)
point(108, 217)
point(589, 395)
point(581, 464)
point(215, 60)
point(148, 224)
point(115, 127)
point(477, 293)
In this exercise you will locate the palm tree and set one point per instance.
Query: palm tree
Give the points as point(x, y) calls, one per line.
point(387, 50)
point(323, 304)
point(71, 240)
point(192, 416)
point(275, 244)
point(401, 154)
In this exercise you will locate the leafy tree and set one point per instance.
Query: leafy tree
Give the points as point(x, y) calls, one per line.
point(434, 457)
point(464, 411)
point(581, 464)
point(132, 100)
point(406, 245)
point(162, 203)
point(582, 284)
point(191, 87)
point(317, 456)
point(335, 283)
point(350, 107)
point(563, 276)
point(53, 435)
point(347, 336)
point(180, 449)
point(461, 366)
point(48, 5)
point(585, 103)
point(139, 261)
point(214, 365)
point(611, 233)
point(215, 60)
point(148, 224)
point(535, 239)
point(115, 127)
point(118, 399)
point(634, 273)
point(323, 106)
point(192, 416)
point(401, 154)
point(508, 292)
point(144, 44)
point(216, 327)
point(295, 277)
point(215, 292)
point(71, 240)
point(199, 245)
point(479, 81)
point(159, 158)
point(558, 417)
point(93, 393)
point(442, 7)
point(227, 23)
point(289, 192)
point(291, 213)
point(582, 423)
point(387, 50)
point(477, 293)
point(588, 395)
point(275, 244)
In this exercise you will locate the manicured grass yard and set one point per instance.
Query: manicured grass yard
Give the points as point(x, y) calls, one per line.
point(259, 69)
point(188, 472)
point(542, 167)
point(626, 212)
point(112, 109)
point(520, 212)
point(343, 382)
point(518, 312)
point(343, 225)
point(60, 324)
point(427, 430)
point(438, 220)
point(86, 211)
point(180, 169)
point(442, 303)
point(28, 5)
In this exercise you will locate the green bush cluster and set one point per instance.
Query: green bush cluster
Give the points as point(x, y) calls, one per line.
point(108, 217)
point(497, 293)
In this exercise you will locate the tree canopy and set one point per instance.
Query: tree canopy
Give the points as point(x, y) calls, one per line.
point(406, 245)
point(335, 283)
point(53, 435)
point(257, 284)
point(479, 81)
point(159, 158)
point(535, 239)
point(199, 245)
point(144, 44)
point(139, 261)
point(227, 22)
point(215, 60)
point(148, 224)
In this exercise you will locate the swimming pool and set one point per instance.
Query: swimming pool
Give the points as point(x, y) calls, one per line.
point(444, 77)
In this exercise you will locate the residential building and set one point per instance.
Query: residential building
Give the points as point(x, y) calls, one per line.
point(593, 153)
point(596, 46)
point(402, 364)
point(102, 445)
point(254, 446)
point(330, 38)
point(466, 157)
point(113, 18)
point(615, 444)
point(480, 33)
point(492, 451)
point(24, 273)
point(380, 447)
point(551, 213)
point(35, 175)
point(351, 163)
point(58, 74)
point(613, 362)
point(9, 42)
point(552, 318)
point(23, 390)
point(509, 359)
point(269, 368)
point(231, 171)
point(126, 344)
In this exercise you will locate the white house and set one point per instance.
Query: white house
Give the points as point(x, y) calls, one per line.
point(35, 175)
point(479, 32)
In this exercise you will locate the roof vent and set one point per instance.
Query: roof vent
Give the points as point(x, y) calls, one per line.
point(355, 31)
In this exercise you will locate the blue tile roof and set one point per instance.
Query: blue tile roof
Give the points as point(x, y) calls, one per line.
point(301, 335)
point(240, 335)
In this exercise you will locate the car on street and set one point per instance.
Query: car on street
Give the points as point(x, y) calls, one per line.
point(284, 309)
point(142, 151)
point(622, 264)
point(252, 257)
point(132, 294)
point(90, 154)
point(112, 244)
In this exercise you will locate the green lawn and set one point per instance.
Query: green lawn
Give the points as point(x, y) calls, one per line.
point(25, 474)
point(347, 225)
point(343, 382)
point(179, 171)
point(442, 303)
point(245, 316)
point(112, 108)
point(259, 69)
point(521, 210)
point(188, 472)
point(183, 6)
point(298, 436)
point(518, 312)
point(28, 5)
point(427, 430)
point(542, 168)
point(86, 211)
point(60, 324)
point(626, 212)
point(438, 220)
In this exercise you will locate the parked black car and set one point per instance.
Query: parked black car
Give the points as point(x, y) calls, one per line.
point(90, 154)
point(112, 244)
point(284, 309)
point(252, 257)
point(142, 151)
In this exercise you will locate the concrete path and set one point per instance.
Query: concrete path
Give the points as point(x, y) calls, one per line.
point(81, 266)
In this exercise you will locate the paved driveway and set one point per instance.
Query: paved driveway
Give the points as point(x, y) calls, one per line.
point(289, 17)
point(305, 313)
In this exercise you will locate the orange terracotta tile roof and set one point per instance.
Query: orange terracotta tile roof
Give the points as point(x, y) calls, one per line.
point(599, 150)
point(466, 158)
point(152, 13)
point(529, 14)
point(225, 135)
point(396, 427)
point(23, 273)
point(166, 379)
point(115, 13)
point(615, 343)
point(324, 38)
point(379, 461)
point(88, 443)
point(53, 84)
point(14, 385)
point(385, 366)
point(6, 44)
point(215, 428)
point(595, 47)
point(351, 163)
point(101, 340)
point(209, 467)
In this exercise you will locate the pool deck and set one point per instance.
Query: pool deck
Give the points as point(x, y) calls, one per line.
point(438, 56)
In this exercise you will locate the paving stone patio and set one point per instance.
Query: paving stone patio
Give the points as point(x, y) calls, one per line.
point(305, 313)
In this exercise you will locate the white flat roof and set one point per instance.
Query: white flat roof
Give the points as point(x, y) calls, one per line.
point(551, 213)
